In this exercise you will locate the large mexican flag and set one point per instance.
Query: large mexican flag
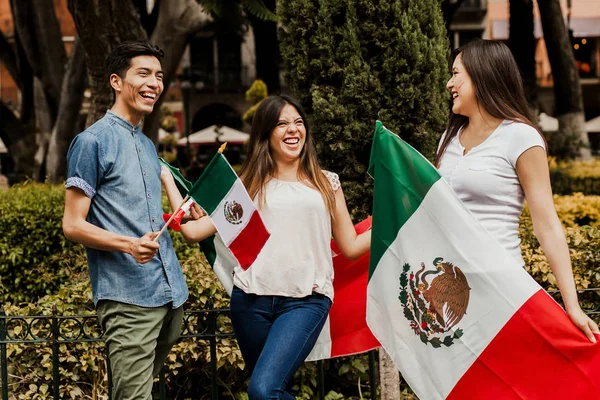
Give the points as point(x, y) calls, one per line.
point(460, 318)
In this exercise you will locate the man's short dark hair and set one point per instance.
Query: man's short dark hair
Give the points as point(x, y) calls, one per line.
point(119, 60)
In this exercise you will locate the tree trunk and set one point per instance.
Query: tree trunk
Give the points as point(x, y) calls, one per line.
point(567, 87)
point(68, 114)
point(521, 41)
point(19, 138)
point(42, 43)
point(389, 377)
point(266, 47)
point(148, 20)
point(178, 20)
point(101, 26)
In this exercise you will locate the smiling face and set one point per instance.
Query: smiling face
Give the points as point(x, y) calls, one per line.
point(464, 101)
point(288, 137)
point(137, 92)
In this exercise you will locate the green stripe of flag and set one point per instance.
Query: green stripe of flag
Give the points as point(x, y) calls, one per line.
point(402, 179)
point(214, 183)
point(182, 184)
point(207, 245)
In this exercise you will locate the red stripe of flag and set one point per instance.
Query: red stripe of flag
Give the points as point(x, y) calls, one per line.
point(347, 316)
point(538, 354)
point(250, 241)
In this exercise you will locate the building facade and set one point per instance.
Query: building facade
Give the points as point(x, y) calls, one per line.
point(489, 19)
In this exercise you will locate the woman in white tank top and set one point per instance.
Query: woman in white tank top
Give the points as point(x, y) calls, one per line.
point(494, 159)
point(280, 303)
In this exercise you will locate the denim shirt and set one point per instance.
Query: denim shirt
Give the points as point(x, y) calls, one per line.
point(117, 167)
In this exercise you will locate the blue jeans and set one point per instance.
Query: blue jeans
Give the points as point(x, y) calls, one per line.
point(275, 335)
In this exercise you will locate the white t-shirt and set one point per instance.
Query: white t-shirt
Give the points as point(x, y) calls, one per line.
point(486, 180)
point(297, 258)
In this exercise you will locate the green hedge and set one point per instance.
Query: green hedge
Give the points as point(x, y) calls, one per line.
point(35, 257)
point(580, 216)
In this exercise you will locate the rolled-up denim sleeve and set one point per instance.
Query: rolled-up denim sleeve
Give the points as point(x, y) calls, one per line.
point(83, 164)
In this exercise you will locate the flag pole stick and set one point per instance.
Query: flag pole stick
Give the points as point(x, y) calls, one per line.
point(170, 219)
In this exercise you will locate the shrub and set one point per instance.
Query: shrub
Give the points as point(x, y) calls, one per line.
point(35, 257)
point(83, 365)
point(583, 241)
point(575, 168)
point(353, 62)
point(575, 176)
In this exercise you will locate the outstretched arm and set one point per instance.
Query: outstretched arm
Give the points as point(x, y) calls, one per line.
point(532, 169)
point(351, 245)
point(193, 231)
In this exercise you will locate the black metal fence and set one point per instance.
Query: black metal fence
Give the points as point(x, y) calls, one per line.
point(55, 330)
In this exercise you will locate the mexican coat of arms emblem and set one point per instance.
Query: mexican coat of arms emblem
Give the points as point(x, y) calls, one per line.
point(233, 212)
point(434, 306)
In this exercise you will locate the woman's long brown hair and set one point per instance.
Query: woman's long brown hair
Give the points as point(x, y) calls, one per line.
point(498, 86)
point(259, 166)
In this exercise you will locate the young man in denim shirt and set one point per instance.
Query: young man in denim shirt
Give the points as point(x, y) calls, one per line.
point(113, 207)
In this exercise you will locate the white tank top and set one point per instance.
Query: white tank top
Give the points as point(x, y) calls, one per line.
point(297, 258)
point(486, 180)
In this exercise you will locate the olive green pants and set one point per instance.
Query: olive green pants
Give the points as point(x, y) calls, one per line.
point(139, 340)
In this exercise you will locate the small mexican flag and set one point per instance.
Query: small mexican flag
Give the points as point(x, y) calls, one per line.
point(222, 195)
point(458, 315)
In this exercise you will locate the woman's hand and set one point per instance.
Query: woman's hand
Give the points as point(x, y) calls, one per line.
point(195, 214)
point(584, 323)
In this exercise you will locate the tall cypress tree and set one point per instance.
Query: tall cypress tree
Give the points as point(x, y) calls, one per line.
point(351, 62)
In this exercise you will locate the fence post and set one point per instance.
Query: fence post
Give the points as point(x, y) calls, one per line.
point(162, 388)
point(321, 377)
point(212, 330)
point(108, 372)
point(372, 374)
point(3, 357)
point(55, 370)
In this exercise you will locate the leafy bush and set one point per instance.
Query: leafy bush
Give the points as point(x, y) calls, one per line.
point(575, 168)
point(35, 257)
point(575, 176)
point(82, 365)
point(255, 95)
point(581, 220)
point(353, 62)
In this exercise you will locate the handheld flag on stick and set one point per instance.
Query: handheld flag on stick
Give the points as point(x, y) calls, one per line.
point(174, 220)
point(222, 195)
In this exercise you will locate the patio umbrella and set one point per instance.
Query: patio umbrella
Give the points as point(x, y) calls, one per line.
point(215, 134)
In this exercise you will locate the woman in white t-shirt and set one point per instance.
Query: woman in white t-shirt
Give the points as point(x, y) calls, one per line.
point(280, 303)
point(494, 159)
